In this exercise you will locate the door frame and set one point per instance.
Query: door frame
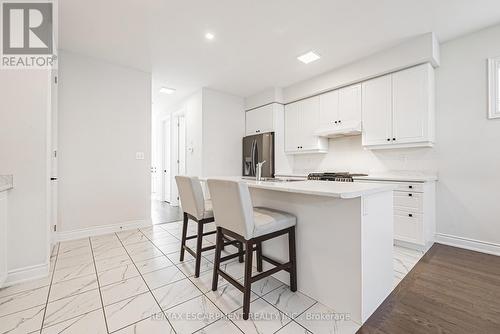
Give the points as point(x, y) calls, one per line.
point(166, 123)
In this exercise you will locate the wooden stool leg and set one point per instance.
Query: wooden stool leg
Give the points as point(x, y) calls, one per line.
point(218, 250)
point(199, 243)
point(184, 234)
point(248, 275)
point(240, 251)
point(293, 259)
point(259, 257)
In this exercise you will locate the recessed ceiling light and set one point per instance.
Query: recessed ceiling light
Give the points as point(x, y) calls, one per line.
point(309, 57)
point(209, 36)
point(166, 90)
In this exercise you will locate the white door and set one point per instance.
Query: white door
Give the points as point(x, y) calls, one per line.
point(155, 161)
point(350, 103)
point(329, 109)
point(377, 111)
point(411, 105)
point(259, 120)
point(309, 123)
point(167, 174)
point(292, 127)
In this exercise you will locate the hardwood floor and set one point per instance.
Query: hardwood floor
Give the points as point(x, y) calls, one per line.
point(450, 290)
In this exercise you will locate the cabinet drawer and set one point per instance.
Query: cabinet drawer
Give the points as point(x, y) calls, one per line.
point(408, 226)
point(408, 201)
point(408, 186)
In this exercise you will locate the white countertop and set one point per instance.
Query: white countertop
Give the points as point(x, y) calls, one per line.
point(6, 182)
point(320, 188)
point(398, 176)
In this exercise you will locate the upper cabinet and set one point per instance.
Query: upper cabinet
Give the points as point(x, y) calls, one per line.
point(413, 105)
point(260, 120)
point(350, 104)
point(340, 112)
point(377, 111)
point(302, 119)
point(398, 109)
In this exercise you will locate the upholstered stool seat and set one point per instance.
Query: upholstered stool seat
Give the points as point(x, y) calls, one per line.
point(268, 221)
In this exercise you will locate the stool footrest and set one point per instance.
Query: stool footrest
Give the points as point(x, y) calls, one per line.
point(276, 263)
point(204, 234)
point(231, 280)
point(284, 266)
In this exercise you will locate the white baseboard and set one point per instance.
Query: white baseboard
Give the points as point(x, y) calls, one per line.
point(3, 278)
point(470, 244)
point(99, 230)
point(25, 274)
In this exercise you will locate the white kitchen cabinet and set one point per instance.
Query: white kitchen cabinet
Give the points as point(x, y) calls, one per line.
point(413, 105)
point(292, 127)
point(302, 119)
point(340, 107)
point(398, 109)
point(414, 213)
point(350, 103)
point(329, 109)
point(260, 120)
point(377, 111)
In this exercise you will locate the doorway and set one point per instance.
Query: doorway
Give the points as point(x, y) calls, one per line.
point(178, 154)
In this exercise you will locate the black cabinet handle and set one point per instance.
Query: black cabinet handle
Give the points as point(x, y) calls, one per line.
point(388, 139)
point(410, 195)
point(335, 122)
point(393, 138)
point(340, 121)
point(411, 187)
point(410, 215)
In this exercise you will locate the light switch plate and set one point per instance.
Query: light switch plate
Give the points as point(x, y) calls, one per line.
point(139, 155)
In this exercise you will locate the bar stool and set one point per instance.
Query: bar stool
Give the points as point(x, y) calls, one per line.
point(199, 210)
point(237, 218)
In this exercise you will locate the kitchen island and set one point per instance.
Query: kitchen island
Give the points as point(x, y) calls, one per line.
point(344, 240)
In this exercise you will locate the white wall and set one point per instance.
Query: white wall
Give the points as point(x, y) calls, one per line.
point(347, 154)
point(467, 143)
point(265, 97)
point(418, 50)
point(104, 119)
point(24, 152)
point(192, 110)
point(223, 130)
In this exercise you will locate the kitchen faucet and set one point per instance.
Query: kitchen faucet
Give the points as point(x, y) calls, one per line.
point(258, 172)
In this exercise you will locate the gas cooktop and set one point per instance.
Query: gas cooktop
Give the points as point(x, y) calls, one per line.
point(334, 176)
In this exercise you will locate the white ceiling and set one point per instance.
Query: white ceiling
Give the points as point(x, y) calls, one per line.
point(256, 41)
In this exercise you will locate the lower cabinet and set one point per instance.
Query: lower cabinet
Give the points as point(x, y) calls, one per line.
point(414, 213)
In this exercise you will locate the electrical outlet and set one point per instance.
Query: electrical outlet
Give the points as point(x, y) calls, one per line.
point(139, 155)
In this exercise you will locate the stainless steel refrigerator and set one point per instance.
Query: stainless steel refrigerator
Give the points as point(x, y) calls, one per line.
point(258, 148)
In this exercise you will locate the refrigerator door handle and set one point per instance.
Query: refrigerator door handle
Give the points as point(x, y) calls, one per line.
point(254, 152)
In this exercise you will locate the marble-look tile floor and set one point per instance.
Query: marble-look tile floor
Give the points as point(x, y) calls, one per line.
point(133, 282)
